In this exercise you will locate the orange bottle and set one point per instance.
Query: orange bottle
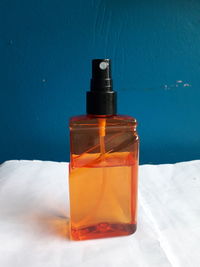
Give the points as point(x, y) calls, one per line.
point(103, 164)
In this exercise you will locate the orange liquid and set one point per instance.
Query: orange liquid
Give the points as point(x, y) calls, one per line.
point(103, 194)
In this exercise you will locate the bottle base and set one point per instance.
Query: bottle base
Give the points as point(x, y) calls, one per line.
point(102, 230)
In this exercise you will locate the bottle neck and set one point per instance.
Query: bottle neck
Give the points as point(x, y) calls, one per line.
point(100, 116)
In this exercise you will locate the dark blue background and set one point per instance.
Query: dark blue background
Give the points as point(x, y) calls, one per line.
point(45, 51)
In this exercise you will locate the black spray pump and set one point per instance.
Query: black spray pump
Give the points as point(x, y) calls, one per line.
point(101, 99)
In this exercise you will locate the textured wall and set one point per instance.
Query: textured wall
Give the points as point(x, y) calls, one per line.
point(45, 52)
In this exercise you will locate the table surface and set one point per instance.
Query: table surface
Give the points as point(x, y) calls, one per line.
point(34, 211)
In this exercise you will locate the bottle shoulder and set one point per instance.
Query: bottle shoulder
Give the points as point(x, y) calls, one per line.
point(90, 120)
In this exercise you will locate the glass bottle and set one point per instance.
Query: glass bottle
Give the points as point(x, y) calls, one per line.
point(103, 170)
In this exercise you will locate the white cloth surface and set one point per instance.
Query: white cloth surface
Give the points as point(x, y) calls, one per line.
point(34, 208)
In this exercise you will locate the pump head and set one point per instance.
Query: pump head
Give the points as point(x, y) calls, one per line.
point(101, 99)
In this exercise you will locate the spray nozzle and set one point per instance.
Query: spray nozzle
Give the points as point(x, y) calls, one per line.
point(101, 99)
point(101, 75)
point(103, 65)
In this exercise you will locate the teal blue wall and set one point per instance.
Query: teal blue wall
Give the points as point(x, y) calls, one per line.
point(45, 52)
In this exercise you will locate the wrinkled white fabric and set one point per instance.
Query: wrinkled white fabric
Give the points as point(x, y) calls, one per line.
point(34, 208)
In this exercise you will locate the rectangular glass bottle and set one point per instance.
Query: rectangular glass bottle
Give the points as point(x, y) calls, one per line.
point(103, 176)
